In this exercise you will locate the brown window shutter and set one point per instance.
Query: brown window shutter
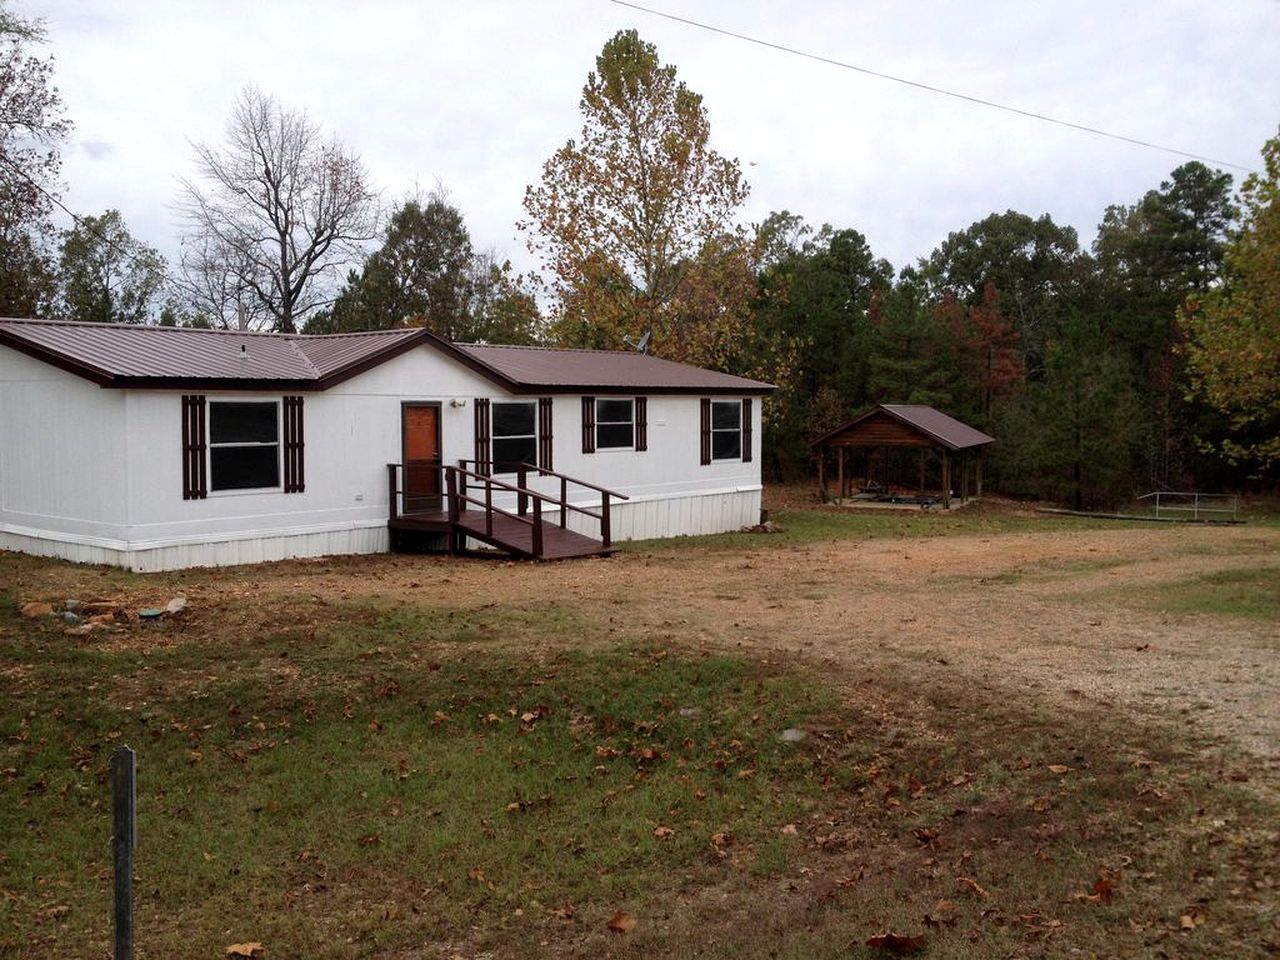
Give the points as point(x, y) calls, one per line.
point(544, 433)
point(706, 430)
point(747, 434)
point(194, 443)
point(484, 465)
point(642, 423)
point(294, 474)
point(588, 424)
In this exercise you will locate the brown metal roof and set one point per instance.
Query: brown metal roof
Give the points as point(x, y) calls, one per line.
point(554, 370)
point(124, 355)
point(933, 424)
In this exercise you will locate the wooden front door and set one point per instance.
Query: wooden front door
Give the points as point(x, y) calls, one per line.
point(420, 430)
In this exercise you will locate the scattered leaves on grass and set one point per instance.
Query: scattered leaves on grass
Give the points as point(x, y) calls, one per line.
point(621, 922)
point(944, 915)
point(253, 949)
point(1191, 918)
point(925, 835)
point(1103, 887)
point(973, 886)
point(897, 944)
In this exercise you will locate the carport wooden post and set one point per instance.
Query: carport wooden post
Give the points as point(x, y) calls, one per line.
point(920, 489)
point(946, 479)
point(822, 479)
point(964, 476)
point(840, 472)
point(981, 456)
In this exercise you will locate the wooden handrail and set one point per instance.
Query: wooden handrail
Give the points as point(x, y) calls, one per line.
point(544, 472)
point(459, 481)
point(522, 492)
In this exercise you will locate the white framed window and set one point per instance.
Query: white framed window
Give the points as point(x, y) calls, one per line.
point(615, 423)
point(244, 445)
point(514, 433)
point(726, 430)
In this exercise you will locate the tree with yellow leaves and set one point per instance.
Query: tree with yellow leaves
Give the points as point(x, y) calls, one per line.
point(1233, 331)
point(634, 221)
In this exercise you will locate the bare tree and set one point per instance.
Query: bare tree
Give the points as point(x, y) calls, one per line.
point(276, 215)
point(32, 126)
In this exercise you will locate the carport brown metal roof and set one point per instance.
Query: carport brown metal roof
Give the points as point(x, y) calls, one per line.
point(924, 426)
point(125, 355)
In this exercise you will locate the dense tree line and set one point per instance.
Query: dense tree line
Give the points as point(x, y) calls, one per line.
point(1077, 360)
point(1103, 371)
point(1149, 359)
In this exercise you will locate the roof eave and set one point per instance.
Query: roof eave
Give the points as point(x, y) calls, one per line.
point(39, 352)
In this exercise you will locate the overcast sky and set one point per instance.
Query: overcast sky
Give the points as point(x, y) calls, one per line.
point(477, 94)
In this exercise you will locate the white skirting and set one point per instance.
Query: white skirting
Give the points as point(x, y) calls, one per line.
point(689, 514)
point(228, 551)
point(643, 518)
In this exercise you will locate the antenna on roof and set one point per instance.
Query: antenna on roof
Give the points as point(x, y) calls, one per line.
point(641, 345)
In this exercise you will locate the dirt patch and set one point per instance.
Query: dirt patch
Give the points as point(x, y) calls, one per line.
point(1053, 614)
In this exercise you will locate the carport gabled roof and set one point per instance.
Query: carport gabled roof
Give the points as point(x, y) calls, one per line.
point(934, 427)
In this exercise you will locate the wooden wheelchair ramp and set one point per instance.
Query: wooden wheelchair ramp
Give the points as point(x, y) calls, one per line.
point(516, 539)
point(522, 531)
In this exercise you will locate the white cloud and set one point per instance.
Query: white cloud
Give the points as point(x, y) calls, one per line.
point(478, 95)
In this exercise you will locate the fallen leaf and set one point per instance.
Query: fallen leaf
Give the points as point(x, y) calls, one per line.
point(245, 950)
point(565, 913)
point(897, 944)
point(973, 885)
point(663, 833)
point(621, 922)
point(944, 915)
point(1059, 768)
point(1104, 887)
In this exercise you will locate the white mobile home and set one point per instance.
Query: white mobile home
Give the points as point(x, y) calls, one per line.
point(159, 448)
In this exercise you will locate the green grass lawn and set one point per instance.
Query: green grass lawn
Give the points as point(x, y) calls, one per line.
point(354, 780)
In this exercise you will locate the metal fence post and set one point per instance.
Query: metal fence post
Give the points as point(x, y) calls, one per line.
point(124, 835)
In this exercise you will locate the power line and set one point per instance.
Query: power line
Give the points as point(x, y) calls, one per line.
point(83, 224)
point(929, 88)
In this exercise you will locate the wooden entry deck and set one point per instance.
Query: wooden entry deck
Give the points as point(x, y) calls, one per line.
point(467, 512)
point(508, 535)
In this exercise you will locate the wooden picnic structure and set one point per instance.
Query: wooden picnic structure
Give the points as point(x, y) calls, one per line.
point(895, 426)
